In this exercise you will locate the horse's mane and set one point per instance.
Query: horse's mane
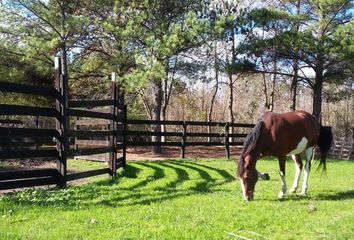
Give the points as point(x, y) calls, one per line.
point(249, 144)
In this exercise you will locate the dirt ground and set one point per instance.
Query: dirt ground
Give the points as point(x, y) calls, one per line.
point(144, 153)
point(133, 154)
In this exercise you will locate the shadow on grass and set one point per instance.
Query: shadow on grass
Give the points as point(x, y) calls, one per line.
point(142, 191)
point(335, 196)
point(207, 181)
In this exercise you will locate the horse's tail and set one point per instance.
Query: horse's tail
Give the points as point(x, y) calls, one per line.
point(249, 144)
point(325, 141)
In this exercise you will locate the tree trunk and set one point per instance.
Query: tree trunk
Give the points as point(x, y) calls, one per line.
point(163, 126)
point(216, 87)
point(164, 108)
point(156, 113)
point(265, 88)
point(212, 102)
point(63, 42)
point(146, 104)
point(294, 86)
point(231, 99)
point(167, 95)
point(231, 83)
point(231, 106)
point(317, 94)
point(347, 112)
point(294, 81)
point(272, 94)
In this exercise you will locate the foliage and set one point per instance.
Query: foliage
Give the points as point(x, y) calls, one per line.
point(302, 34)
point(184, 45)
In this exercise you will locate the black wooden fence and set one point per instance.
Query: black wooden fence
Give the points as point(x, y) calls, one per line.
point(100, 127)
point(227, 134)
point(343, 147)
point(16, 140)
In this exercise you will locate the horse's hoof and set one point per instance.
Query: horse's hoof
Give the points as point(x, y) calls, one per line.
point(292, 190)
point(281, 195)
point(264, 176)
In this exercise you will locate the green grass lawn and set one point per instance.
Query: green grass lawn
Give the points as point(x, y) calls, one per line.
point(184, 199)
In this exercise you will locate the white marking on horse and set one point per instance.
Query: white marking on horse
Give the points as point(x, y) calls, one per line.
point(283, 185)
point(297, 175)
point(309, 156)
point(243, 189)
point(300, 147)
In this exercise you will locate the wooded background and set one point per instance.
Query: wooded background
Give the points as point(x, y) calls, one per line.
point(189, 60)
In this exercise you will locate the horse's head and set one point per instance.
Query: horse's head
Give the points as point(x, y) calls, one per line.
point(246, 169)
point(248, 177)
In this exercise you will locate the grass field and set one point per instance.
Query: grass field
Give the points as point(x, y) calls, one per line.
point(184, 199)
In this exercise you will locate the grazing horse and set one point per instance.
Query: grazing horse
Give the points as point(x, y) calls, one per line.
point(281, 135)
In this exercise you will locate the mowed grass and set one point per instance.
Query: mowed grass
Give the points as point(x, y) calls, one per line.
point(184, 199)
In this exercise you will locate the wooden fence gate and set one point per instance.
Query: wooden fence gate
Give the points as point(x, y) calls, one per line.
point(16, 140)
point(343, 148)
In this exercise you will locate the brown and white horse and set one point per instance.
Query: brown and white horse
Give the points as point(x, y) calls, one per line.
point(282, 135)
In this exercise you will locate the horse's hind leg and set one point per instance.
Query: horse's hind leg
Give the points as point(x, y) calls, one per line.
point(282, 161)
point(298, 168)
point(309, 156)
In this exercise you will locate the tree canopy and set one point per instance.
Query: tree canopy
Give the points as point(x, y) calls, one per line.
point(159, 49)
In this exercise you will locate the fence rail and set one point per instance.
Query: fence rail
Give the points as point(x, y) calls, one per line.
point(343, 148)
point(29, 89)
point(86, 174)
point(19, 140)
point(9, 154)
point(7, 109)
point(227, 137)
point(191, 123)
point(15, 122)
point(29, 132)
point(88, 122)
point(51, 179)
point(90, 103)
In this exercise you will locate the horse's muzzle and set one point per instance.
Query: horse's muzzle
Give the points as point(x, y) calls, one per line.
point(249, 196)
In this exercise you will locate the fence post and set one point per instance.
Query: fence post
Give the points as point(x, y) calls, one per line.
point(77, 127)
point(125, 129)
point(121, 124)
point(352, 151)
point(62, 122)
point(37, 127)
point(112, 162)
point(184, 138)
point(227, 140)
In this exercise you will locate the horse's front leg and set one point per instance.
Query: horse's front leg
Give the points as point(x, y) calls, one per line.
point(282, 160)
point(298, 168)
point(309, 156)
